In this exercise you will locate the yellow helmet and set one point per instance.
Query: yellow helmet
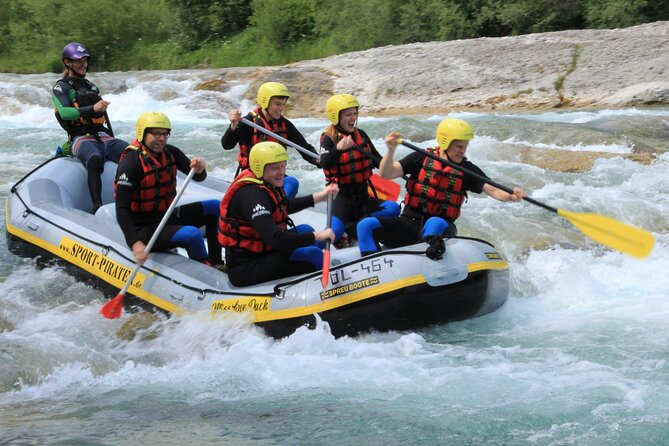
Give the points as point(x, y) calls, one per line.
point(263, 153)
point(270, 89)
point(149, 120)
point(338, 103)
point(453, 128)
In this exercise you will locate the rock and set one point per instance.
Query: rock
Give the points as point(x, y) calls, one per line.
point(213, 85)
point(594, 68)
point(139, 322)
point(567, 160)
point(5, 325)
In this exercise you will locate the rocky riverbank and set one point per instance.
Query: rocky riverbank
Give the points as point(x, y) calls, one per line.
point(567, 69)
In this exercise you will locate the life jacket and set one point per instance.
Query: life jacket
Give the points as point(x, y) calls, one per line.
point(158, 186)
point(277, 126)
point(352, 165)
point(237, 233)
point(438, 190)
point(85, 94)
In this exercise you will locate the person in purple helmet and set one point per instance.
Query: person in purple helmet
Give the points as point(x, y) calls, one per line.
point(83, 114)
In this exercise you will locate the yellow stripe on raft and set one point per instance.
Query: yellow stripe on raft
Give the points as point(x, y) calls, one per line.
point(265, 315)
point(480, 266)
point(257, 306)
point(330, 304)
point(95, 263)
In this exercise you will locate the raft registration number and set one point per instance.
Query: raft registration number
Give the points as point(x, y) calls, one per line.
point(88, 259)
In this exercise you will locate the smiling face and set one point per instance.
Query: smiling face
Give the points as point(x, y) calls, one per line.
point(274, 173)
point(276, 107)
point(348, 118)
point(456, 151)
point(76, 67)
point(155, 139)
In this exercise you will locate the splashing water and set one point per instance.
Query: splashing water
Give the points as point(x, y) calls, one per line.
point(576, 356)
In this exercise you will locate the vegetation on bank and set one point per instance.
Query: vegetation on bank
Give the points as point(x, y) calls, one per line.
point(169, 34)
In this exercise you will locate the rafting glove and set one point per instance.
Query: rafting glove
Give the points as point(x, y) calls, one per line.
point(436, 247)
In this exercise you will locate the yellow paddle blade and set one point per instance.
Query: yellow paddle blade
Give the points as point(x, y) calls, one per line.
point(612, 233)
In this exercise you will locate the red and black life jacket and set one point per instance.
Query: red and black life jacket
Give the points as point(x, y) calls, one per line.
point(438, 190)
point(85, 94)
point(159, 182)
point(277, 126)
point(237, 233)
point(353, 167)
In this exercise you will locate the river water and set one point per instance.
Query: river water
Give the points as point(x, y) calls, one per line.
point(578, 354)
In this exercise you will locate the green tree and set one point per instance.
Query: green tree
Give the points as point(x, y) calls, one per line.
point(39, 29)
point(111, 34)
point(355, 25)
point(615, 13)
point(28, 18)
point(283, 23)
point(203, 21)
point(137, 34)
point(532, 16)
point(426, 20)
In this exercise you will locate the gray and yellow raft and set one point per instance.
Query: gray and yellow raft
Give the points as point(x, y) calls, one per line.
point(48, 215)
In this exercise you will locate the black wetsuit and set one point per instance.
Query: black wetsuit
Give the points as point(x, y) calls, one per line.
point(138, 226)
point(406, 229)
point(252, 204)
point(353, 201)
point(243, 135)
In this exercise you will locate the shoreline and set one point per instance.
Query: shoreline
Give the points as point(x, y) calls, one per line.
point(563, 70)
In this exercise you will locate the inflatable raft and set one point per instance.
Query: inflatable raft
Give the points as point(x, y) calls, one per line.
point(48, 214)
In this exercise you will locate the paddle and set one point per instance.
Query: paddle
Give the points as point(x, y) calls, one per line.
point(382, 189)
point(388, 187)
point(326, 253)
point(281, 139)
point(605, 230)
point(385, 189)
point(109, 127)
point(114, 308)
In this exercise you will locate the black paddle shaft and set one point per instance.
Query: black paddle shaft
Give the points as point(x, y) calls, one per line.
point(111, 131)
point(329, 219)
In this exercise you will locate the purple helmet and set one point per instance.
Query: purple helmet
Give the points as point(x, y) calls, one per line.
point(75, 51)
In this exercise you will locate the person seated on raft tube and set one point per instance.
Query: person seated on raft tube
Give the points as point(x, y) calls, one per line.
point(145, 186)
point(348, 160)
point(272, 99)
point(435, 192)
point(83, 114)
point(253, 227)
